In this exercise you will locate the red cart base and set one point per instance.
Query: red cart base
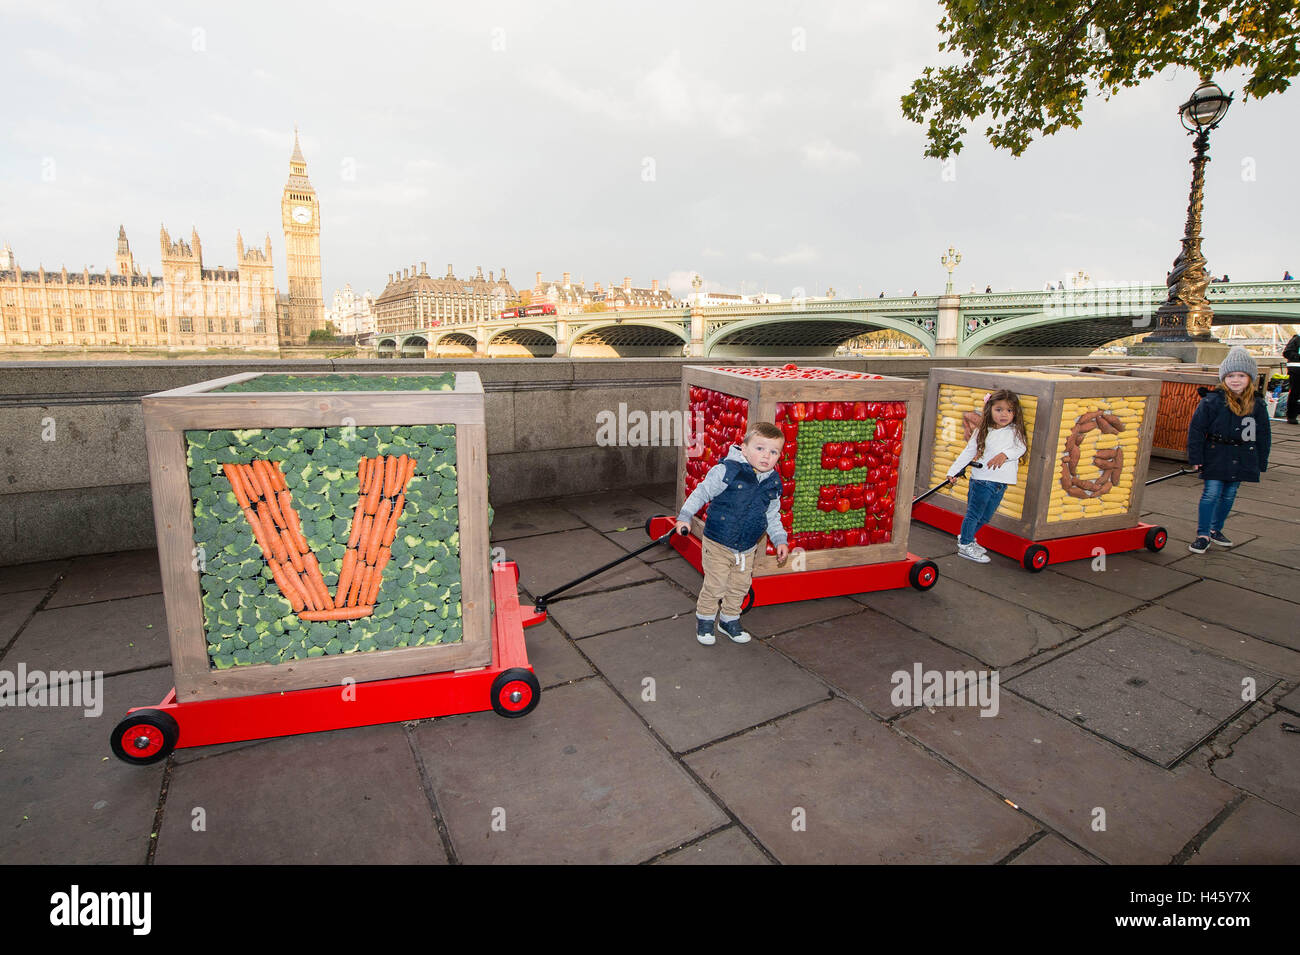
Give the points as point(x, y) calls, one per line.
point(508, 685)
point(810, 584)
point(1035, 555)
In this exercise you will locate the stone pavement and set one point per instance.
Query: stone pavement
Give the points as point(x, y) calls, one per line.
point(1139, 716)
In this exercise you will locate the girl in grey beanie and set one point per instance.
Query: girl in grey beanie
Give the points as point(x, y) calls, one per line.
point(1228, 442)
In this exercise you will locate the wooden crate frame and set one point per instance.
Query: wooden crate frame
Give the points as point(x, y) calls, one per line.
point(169, 414)
point(1041, 470)
point(764, 394)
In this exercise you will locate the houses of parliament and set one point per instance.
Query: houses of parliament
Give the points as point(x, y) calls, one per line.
point(189, 305)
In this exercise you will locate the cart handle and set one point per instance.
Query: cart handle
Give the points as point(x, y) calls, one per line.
point(539, 605)
point(943, 484)
point(1179, 473)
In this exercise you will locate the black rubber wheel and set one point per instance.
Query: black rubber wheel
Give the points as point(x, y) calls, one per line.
point(144, 737)
point(923, 574)
point(1156, 539)
point(748, 601)
point(1036, 558)
point(515, 693)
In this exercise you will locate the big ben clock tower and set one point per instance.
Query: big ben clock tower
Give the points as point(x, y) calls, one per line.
point(300, 213)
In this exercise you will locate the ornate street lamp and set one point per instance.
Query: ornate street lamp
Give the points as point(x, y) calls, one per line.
point(1185, 315)
point(950, 262)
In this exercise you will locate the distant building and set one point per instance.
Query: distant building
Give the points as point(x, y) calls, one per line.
point(187, 306)
point(352, 314)
point(415, 300)
point(713, 299)
point(300, 217)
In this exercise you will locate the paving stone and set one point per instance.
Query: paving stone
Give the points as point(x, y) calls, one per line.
point(15, 607)
point(40, 576)
point(64, 798)
point(1053, 850)
point(1182, 530)
point(1257, 833)
point(859, 656)
point(349, 796)
point(763, 621)
point(1244, 572)
point(1222, 640)
point(1125, 574)
point(862, 793)
point(130, 573)
point(1264, 762)
point(679, 570)
point(97, 636)
point(1048, 592)
point(1285, 553)
point(1269, 618)
point(584, 616)
point(700, 693)
point(926, 541)
point(973, 620)
point(1144, 692)
point(1291, 701)
point(1265, 509)
point(665, 495)
point(554, 659)
point(549, 561)
point(611, 510)
point(1060, 773)
point(728, 847)
point(529, 519)
point(578, 780)
point(635, 538)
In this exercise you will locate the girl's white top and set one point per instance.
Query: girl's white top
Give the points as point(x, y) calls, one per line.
point(997, 441)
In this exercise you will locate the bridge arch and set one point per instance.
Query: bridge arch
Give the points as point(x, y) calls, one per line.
point(626, 339)
point(804, 334)
point(523, 341)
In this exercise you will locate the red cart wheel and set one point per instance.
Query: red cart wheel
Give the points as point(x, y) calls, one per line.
point(1035, 558)
point(146, 736)
point(1156, 538)
point(923, 574)
point(515, 693)
point(748, 601)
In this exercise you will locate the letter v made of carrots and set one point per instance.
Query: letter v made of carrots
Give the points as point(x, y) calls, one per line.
point(267, 502)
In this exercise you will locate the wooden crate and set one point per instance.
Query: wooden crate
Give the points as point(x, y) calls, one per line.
point(897, 403)
point(189, 424)
point(1038, 506)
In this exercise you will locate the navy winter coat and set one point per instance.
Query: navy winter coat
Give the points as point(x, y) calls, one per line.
point(1215, 440)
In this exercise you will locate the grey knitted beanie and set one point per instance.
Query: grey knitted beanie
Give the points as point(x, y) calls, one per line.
point(1238, 360)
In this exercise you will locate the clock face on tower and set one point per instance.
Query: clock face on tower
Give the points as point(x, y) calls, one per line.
point(301, 215)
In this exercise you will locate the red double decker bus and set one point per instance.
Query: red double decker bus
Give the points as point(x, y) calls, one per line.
point(527, 311)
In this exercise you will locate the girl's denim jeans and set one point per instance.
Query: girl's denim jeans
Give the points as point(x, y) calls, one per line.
point(1216, 502)
point(982, 500)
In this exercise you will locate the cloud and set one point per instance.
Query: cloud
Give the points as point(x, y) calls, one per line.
point(826, 155)
point(800, 256)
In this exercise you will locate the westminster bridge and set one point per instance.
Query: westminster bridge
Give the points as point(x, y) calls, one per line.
point(1062, 321)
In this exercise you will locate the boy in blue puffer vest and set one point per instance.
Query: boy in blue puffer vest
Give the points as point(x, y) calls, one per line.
point(744, 498)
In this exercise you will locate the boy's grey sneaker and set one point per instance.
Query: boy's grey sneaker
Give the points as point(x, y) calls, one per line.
point(1199, 546)
point(1217, 537)
point(734, 630)
point(704, 631)
point(970, 552)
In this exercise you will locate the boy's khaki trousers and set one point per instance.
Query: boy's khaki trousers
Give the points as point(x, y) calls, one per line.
point(725, 579)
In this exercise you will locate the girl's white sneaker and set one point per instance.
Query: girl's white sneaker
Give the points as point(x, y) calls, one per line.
point(971, 551)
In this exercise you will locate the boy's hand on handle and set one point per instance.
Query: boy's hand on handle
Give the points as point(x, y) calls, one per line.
point(782, 553)
point(681, 527)
point(997, 460)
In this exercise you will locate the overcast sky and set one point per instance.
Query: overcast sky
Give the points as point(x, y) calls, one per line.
point(758, 143)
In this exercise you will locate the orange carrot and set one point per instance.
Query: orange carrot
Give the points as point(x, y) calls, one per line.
point(262, 481)
point(345, 576)
point(309, 596)
point(246, 471)
point(377, 531)
point(277, 476)
point(376, 473)
point(294, 522)
point(259, 534)
point(362, 472)
point(362, 582)
point(366, 521)
point(338, 613)
point(378, 577)
point(236, 485)
point(410, 471)
point(317, 581)
point(391, 533)
point(295, 557)
point(272, 534)
point(289, 591)
point(390, 476)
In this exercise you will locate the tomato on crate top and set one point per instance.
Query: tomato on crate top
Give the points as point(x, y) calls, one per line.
point(794, 372)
